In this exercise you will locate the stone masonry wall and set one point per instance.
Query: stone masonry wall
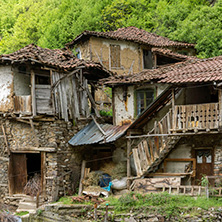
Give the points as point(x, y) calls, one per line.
point(62, 166)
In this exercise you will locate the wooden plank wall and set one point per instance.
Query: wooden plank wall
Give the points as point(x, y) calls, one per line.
point(43, 99)
point(71, 99)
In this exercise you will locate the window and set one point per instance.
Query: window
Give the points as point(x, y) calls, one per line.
point(115, 56)
point(147, 59)
point(143, 99)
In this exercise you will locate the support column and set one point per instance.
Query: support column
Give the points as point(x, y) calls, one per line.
point(128, 163)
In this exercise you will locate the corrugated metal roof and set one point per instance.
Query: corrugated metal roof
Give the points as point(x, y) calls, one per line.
point(91, 134)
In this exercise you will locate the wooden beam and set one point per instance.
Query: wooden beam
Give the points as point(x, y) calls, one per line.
point(33, 93)
point(99, 127)
point(81, 178)
point(173, 134)
point(128, 162)
point(173, 108)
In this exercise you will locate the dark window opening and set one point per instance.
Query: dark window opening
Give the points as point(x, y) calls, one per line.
point(147, 59)
point(42, 80)
point(115, 56)
point(33, 164)
point(22, 69)
point(164, 60)
point(143, 99)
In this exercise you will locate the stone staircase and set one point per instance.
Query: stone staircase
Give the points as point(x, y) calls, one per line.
point(27, 203)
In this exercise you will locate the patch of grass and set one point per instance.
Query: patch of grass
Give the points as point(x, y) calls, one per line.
point(22, 213)
point(66, 200)
point(163, 203)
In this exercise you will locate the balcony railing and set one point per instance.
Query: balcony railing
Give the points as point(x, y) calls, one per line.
point(196, 117)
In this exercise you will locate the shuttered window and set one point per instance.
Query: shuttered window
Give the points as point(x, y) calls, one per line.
point(115, 56)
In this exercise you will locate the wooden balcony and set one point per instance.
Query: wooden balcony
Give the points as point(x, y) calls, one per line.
point(195, 117)
point(180, 120)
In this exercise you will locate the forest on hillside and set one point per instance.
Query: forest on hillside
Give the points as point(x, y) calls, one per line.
point(52, 23)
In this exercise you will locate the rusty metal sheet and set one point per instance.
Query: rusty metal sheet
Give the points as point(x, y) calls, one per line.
point(91, 134)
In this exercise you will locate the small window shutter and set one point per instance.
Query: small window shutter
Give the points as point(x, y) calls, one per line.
point(115, 56)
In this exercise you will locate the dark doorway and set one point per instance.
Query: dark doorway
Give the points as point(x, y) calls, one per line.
point(33, 164)
point(22, 166)
point(204, 158)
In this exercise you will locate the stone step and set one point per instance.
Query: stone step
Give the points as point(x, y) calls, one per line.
point(26, 205)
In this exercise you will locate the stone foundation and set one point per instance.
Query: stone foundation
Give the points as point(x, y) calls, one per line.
point(62, 162)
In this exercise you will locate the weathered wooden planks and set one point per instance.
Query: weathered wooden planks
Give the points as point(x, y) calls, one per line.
point(23, 104)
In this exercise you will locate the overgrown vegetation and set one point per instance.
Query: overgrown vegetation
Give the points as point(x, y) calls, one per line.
point(158, 203)
point(52, 23)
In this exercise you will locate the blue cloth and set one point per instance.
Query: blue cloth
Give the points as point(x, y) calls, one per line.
point(109, 187)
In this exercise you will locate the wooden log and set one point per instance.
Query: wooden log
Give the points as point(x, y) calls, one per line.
point(81, 178)
point(128, 162)
point(151, 150)
point(145, 146)
point(33, 93)
point(137, 162)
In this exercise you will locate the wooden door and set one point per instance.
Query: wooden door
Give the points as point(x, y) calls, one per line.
point(205, 164)
point(17, 173)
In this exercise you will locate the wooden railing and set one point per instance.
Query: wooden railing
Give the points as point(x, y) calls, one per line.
point(196, 117)
point(154, 146)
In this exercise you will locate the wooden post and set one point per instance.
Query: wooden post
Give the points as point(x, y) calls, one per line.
point(81, 178)
point(128, 162)
point(220, 107)
point(173, 110)
point(33, 93)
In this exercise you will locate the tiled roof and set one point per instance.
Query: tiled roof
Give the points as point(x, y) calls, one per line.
point(204, 70)
point(132, 34)
point(188, 71)
point(146, 75)
point(169, 53)
point(60, 59)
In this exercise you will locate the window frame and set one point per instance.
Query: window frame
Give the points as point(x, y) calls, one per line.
point(152, 65)
point(144, 90)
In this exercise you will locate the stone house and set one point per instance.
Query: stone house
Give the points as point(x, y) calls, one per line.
point(127, 51)
point(178, 135)
point(46, 96)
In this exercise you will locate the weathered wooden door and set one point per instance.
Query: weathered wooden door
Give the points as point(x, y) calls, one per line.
point(17, 173)
point(205, 160)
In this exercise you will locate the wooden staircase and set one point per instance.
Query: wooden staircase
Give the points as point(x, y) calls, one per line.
point(154, 147)
point(180, 121)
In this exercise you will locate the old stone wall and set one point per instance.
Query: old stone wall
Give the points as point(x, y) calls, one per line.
point(61, 162)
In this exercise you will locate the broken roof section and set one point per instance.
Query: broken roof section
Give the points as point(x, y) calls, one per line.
point(60, 59)
point(131, 34)
point(91, 134)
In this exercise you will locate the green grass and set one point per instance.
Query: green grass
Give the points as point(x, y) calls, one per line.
point(22, 213)
point(163, 203)
point(159, 203)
